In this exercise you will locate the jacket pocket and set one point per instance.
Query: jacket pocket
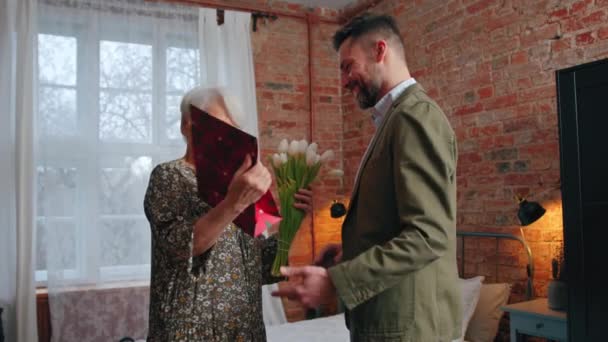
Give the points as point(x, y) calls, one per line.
point(389, 313)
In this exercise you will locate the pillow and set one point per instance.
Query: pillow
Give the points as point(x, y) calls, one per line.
point(470, 295)
point(483, 326)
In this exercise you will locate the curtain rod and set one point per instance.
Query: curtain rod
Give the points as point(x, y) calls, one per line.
point(251, 9)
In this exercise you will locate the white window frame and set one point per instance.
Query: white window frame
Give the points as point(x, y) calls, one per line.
point(92, 159)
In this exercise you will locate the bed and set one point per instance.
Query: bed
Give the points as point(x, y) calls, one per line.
point(482, 299)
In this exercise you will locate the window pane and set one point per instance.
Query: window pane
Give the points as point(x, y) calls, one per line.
point(182, 69)
point(57, 110)
point(125, 65)
point(124, 242)
point(173, 117)
point(61, 234)
point(125, 116)
point(57, 59)
point(56, 191)
point(123, 187)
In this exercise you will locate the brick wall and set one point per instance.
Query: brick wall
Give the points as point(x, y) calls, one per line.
point(282, 83)
point(490, 65)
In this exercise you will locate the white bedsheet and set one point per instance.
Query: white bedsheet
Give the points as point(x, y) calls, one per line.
point(323, 329)
point(326, 329)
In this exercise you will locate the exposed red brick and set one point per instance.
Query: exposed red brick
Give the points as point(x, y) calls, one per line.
point(560, 44)
point(558, 14)
point(594, 18)
point(533, 36)
point(579, 6)
point(537, 93)
point(602, 33)
point(524, 83)
point(504, 62)
point(479, 6)
point(520, 57)
point(489, 130)
point(288, 106)
point(502, 101)
point(572, 24)
point(584, 38)
point(485, 92)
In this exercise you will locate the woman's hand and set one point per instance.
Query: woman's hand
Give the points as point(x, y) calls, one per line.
point(303, 200)
point(248, 185)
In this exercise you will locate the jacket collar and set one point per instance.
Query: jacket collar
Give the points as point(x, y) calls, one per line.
point(380, 130)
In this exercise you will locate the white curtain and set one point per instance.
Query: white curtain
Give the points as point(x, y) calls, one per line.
point(111, 77)
point(110, 80)
point(227, 61)
point(17, 206)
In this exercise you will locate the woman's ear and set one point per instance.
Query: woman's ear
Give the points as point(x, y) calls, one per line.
point(186, 127)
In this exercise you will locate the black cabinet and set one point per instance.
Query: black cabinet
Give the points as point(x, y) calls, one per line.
point(582, 95)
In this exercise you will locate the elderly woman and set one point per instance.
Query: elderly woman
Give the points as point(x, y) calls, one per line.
point(206, 272)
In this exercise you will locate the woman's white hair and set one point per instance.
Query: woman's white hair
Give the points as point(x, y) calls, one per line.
point(204, 97)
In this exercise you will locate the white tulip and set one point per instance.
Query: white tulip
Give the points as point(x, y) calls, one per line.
point(276, 160)
point(283, 146)
point(317, 158)
point(311, 157)
point(336, 173)
point(293, 148)
point(327, 156)
point(312, 147)
point(303, 146)
point(283, 158)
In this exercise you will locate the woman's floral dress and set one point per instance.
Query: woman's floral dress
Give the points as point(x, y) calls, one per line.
point(215, 296)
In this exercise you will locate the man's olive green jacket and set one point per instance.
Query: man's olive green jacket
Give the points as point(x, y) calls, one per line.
point(399, 276)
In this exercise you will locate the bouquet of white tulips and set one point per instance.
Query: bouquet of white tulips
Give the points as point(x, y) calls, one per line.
point(295, 166)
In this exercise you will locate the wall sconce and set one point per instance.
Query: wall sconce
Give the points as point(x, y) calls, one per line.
point(529, 212)
point(337, 208)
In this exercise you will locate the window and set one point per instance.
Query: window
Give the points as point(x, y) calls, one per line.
point(108, 110)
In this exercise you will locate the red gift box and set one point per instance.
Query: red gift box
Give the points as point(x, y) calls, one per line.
point(219, 150)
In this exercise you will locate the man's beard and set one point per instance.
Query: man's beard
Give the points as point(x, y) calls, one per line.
point(368, 94)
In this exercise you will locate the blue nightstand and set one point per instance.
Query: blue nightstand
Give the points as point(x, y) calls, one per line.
point(534, 318)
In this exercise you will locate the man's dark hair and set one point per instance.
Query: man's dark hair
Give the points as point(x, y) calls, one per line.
point(368, 23)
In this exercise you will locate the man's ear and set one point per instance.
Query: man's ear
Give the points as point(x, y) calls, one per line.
point(380, 49)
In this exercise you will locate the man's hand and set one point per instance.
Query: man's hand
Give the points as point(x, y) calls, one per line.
point(329, 256)
point(312, 289)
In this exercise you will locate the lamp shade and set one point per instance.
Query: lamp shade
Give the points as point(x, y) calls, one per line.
point(337, 210)
point(529, 212)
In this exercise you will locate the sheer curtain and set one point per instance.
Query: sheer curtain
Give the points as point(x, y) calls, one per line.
point(110, 80)
point(228, 60)
point(17, 112)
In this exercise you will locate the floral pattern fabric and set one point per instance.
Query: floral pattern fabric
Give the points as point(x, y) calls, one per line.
point(215, 296)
